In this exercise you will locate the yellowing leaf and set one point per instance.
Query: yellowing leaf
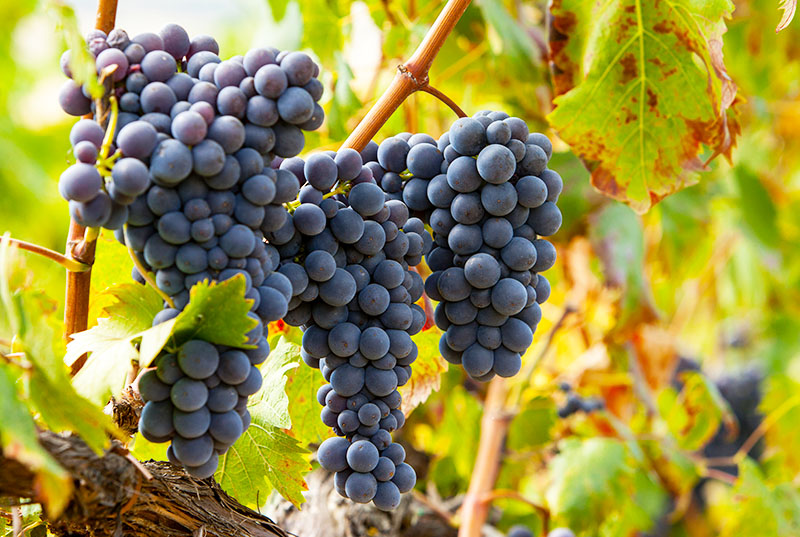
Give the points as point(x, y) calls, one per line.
point(641, 90)
point(426, 371)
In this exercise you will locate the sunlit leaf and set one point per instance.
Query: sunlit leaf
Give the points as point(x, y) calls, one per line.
point(426, 370)
point(641, 90)
point(265, 458)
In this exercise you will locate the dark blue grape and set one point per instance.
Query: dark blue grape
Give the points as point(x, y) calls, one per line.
point(332, 454)
point(361, 488)
point(189, 394)
point(155, 423)
point(191, 424)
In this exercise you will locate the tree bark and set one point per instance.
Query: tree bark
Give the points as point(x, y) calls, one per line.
point(113, 498)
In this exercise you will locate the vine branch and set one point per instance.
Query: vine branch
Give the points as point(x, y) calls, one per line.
point(411, 76)
point(82, 243)
point(68, 263)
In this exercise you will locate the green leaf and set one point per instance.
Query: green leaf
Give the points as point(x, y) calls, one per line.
point(145, 450)
point(110, 343)
point(81, 62)
point(531, 428)
point(759, 509)
point(642, 88)
point(217, 313)
point(511, 39)
point(18, 438)
point(270, 406)
point(265, 458)
point(694, 415)
point(278, 8)
point(345, 103)
point(301, 388)
point(322, 28)
point(588, 479)
point(758, 212)
point(50, 392)
point(598, 483)
point(427, 370)
point(618, 240)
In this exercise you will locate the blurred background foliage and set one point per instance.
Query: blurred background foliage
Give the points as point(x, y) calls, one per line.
point(709, 276)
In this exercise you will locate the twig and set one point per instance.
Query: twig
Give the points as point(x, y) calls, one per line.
point(411, 76)
point(544, 512)
point(719, 475)
point(761, 430)
point(106, 15)
point(436, 509)
point(494, 426)
point(70, 264)
point(532, 366)
point(444, 98)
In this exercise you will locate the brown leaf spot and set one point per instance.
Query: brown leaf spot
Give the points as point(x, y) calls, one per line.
point(629, 68)
point(652, 100)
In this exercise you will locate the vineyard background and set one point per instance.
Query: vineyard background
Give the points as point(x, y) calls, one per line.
point(710, 274)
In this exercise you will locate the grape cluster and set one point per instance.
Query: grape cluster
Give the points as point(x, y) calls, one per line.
point(191, 189)
point(197, 399)
point(488, 195)
point(576, 403)
point(346, 257)
point(185, 114)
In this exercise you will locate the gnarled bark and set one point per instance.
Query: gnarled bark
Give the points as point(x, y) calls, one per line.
point(113, 498)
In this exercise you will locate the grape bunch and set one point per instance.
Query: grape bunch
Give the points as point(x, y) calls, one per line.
point(346, 257)
point(197, 399)
point(486, 191)
point(192, 187)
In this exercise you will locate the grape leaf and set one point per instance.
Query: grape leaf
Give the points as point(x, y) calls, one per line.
point(618, 240)
point(759, 508)
point(110, 342)
point(531, 428)
point(19, 441)
point(49, 391)
point(508, 37)
point(271, 405)
point(345, 102)
point(265, 458)
point(694, 415)
point(112, 264)
point(641, 89)
point(596, 480)
point(217, 313)
point(426, 371)
point(788, 7)
point(301, 388)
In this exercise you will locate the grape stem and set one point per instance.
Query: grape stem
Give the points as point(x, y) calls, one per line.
point(427, 88)
point(76, 302)
point(411, 76)
point(68, 263)
point(106, 15)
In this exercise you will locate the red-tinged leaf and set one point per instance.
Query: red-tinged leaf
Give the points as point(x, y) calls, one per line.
point(788, 7)
point(642, 90)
